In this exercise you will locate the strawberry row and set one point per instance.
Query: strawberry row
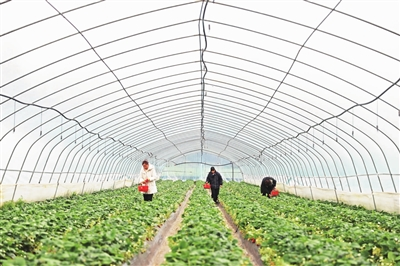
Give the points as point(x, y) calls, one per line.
point(204, 238)
point(299, 231)
point(103, 228)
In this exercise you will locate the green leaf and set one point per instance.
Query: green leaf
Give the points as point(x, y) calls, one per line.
point(17, 261)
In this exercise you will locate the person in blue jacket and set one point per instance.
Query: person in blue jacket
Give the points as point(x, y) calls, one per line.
point(267, 185)
point(215, 180)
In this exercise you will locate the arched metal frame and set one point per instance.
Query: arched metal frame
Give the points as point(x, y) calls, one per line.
point(270, 94)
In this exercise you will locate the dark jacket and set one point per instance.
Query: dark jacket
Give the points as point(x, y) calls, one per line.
point(215, 179)
point(265, 187)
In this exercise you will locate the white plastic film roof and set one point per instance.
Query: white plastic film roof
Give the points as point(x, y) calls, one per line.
point(293, 89)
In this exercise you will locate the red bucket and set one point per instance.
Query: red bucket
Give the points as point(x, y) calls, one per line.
point(207, 186)
point(274, 193)
point(143, 188)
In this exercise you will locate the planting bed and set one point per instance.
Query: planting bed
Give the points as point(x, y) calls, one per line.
point(103, 228)
point(297, 231)
point(183, 226)
point(204, 238)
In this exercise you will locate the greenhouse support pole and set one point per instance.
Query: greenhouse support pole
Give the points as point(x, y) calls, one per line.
point(15, 190)
point(335, 189)
point(233, 173)
point(312, 195)
point(294, 183)
point(55, 192)
point(83, 187)
point(373, 199)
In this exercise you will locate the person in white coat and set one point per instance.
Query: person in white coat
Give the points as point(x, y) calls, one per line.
point(148, 176)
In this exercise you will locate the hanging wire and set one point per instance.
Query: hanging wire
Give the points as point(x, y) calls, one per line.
point(202, 65)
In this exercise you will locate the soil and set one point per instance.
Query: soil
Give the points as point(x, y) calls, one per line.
point(250, 249)
point(158, 247)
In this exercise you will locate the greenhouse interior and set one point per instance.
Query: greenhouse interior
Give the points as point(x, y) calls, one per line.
point(101, 97)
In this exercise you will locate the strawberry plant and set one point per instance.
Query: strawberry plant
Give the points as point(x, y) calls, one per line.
point(103, 228)
point(204, 238)
point(300, 231)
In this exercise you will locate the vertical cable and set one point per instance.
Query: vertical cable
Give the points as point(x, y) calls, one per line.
point(202, 89)
point(202, 64)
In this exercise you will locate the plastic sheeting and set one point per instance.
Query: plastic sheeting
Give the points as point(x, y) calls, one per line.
point(305, 91)
point(379, 201)
point(40, 192)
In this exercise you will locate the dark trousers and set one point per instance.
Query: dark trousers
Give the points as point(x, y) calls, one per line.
point(214, 194)
point(148, 197)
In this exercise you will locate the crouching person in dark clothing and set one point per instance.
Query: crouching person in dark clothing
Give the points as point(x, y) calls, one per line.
point(267, 185)
point(215, 180)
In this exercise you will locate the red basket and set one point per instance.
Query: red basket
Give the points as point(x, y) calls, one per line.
point(207, 186)
point(143, 188)
point(274, 193)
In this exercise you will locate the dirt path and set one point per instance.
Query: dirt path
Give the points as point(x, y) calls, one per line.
point(158, 247)
point(250, 249)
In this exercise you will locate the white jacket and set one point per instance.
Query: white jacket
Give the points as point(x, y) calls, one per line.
point(150, 174)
